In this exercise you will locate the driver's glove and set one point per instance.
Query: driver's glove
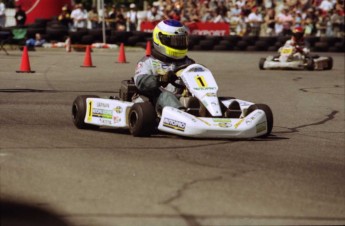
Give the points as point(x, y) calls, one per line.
point(168, 77)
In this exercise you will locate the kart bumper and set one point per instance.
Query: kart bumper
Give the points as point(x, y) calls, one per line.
point(181, 123)
point(283, 65)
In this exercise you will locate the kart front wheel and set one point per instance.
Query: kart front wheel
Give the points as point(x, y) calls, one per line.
point(310, 64)
point(268, 113)
point(329, 63)
point(142, 119)
point(261, 63)
point(79, 112)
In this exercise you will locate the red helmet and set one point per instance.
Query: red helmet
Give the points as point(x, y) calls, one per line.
point(298, 33)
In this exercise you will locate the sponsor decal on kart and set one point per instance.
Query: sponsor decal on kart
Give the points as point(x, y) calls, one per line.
point(118, 109)
point(205, 88)
point(287, 51)
point(101, 113)
point(252, 118)
point(116, 119)
point(207, 123)
point(237, 124)
point(105, 121)
point(200, 80)
point(224, 124)
point(261, 127)
point(102, 105)
point(224, 120)
point(174, 124)
point(89, 110)
point(196, 69)
point(210, 94)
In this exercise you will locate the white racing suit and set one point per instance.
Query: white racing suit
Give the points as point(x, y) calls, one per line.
point(300, 51)
point(147, 79)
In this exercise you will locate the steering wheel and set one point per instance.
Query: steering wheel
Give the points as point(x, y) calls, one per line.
point(183, 66)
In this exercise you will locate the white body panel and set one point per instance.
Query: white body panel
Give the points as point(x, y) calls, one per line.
point(181, 123)
point(201, 84)
point(107, 112)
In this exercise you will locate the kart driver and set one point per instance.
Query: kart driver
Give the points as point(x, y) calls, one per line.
point(297, 41)
point(154, 74)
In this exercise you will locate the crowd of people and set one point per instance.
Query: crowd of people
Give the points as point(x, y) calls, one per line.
point(245, 17)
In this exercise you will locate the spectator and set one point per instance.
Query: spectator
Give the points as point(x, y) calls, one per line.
point(79, 16)
point(120, 20)
point(284, 22)
point(2, 14)
point(311, 20)
point(154, 14)
point(37, 41)
point(326, 6)
point(132, 17)
point(112, 16)
point(206, 12)
point(20, 16)
point(270, 21)
point(221, 13)
point(337, 22)
point(93, 18)
point(254, 21)
point(65, 18)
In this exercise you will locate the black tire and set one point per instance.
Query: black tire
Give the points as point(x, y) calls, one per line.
point(310, 64)
point(268, 113)
point(142, 119)
point(79, 112)
point(261, 63)
point(329, 63)
point(269, 117)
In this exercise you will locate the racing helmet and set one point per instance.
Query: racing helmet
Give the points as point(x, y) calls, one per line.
point(170, 38)
point(298, 33)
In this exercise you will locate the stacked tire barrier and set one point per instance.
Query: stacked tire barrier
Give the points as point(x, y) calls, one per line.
point(52, 31)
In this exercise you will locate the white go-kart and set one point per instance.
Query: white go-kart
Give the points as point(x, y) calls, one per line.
point(205, 115)
point(290, 58)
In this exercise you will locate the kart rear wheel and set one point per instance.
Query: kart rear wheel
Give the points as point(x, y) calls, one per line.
point(142, 119)
point(261, 63)
point(268, 113)
point(310, 64)
point(79, 112)
point(329, 63)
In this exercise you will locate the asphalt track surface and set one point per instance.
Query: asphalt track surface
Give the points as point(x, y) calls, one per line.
point(54, 174)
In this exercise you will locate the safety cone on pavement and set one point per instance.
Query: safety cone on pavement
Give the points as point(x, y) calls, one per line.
point(148, 48)
point(25, 64)
point(87, 58)
point(122, 55)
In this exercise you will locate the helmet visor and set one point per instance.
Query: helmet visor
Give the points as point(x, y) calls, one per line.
point(174, 41)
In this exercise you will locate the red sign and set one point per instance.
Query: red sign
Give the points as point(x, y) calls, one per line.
point(198, 28)
point(41, 9)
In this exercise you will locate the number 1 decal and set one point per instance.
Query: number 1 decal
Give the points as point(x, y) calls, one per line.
point(89, 111)
point(200, 80)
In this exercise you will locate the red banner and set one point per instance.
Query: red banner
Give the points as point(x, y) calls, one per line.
point(198, 28)
point(41, 9)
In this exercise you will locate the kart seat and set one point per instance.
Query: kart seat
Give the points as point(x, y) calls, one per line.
point(191, 104)
point(234, 110)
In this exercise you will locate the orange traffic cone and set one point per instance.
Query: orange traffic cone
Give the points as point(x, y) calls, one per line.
point(148, 48)
point(122, 55)
point(87, 59)
point(25, 65)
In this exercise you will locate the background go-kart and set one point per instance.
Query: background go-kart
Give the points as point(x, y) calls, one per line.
point(60, 174)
